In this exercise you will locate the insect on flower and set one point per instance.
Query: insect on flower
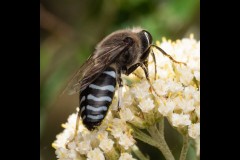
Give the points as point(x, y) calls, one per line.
point(121, 52)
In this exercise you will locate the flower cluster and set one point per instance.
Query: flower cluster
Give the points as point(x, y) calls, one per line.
point(176, 96)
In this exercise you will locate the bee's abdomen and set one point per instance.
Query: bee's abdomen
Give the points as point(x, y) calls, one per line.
point(96, 98)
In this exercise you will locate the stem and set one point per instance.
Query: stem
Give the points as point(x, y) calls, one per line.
point(162, 144)
point(113, 155)
point(144, 137)
point(184, 151)
point(139, 154)
point(161, 126)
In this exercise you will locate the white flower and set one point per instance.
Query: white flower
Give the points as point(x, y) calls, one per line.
point(102, 134)
point(84, 147)
point(197, 111)
point(196, 96)
point(197, 75)
point(194, 130)
point(160, 87)
point(178, 87)
point(73, 154)
point(141, 90)
point(174, 86)
point(72, 145)
point(117, 127)
point(185, 73)
point(95, 154)
point(146, 105)
point(185, 105)
point(127, 98)
point(126, 156)
point(166, 109)
point(163, 73)
point(61, 152)
point(180, 120)
point(126, 140)
point(106, 144)
point(126, 114)
point(189, 91)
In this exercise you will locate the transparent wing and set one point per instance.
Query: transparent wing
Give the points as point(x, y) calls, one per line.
point(94, 66)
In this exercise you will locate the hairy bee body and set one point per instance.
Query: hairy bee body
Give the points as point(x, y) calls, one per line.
point(121, 52)
point(96, 98)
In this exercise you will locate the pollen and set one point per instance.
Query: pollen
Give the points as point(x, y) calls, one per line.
point(54, 146)
point(100, 137)
point(109, 129)
point(158, 43)
point(64, 125)
point(130, 131)
point(164, 39)
point(169, 94)
point(191, 36)
point(180, 95)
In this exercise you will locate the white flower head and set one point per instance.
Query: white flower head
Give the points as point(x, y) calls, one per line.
point(178, 99)
point(180, 120)
point(174, 87)
point(106, 144)
point(61, 152)
point(166, 108)
point(197, 111)
point(185, 73)
point(127, 98)
point(118, 126)
point(126, 156)
point(160, 87)
point(126, 114)
point(197, 75)
point(141, 90)
point(84, 147)
point(95, 154)
point(146, 105)
point(126, 140)
point(194, 130)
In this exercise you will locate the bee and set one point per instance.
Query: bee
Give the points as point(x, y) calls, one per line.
point(121, 52)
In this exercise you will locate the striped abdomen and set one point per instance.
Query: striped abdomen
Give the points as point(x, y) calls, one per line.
point(96, 98)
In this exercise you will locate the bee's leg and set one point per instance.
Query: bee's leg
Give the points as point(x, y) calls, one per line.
point(155, 64)
point(120, 85)
point(75, 132)
point(145, 69)
point(170, 57)
point(133, 68)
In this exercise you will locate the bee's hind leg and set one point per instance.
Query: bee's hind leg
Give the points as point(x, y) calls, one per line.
point(120, 85)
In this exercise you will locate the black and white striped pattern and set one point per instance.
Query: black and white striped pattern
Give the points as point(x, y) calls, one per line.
point(96, 98)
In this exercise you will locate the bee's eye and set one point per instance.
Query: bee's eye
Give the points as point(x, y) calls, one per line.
point(148, 36)
point(146, 39)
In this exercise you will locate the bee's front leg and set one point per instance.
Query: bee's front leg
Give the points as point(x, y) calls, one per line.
point(145, 69)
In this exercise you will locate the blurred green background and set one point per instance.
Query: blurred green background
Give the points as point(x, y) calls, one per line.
point(69, 30)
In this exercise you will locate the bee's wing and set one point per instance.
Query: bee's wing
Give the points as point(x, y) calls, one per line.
point(94, 66)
